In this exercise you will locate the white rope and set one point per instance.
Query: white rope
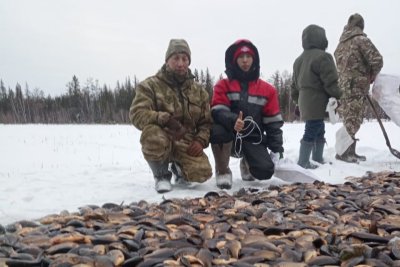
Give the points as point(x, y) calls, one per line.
point(247, 132)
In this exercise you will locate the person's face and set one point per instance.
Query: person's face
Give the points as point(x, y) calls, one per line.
point(179, 63)
point(245, 61)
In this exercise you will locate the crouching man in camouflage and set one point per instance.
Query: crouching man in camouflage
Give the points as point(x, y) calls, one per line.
point(173, 113)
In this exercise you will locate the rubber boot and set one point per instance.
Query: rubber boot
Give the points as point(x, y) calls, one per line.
point(179, 178)
point(318, 151)
point(359, 157)
point(223, 174)
point(244, 170)
point(162, 175)
point(349, 155)
point(304, 155)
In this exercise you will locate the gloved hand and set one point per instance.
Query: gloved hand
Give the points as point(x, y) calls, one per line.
point(175, 129)
point(297, 111)
point(276, 156)
point(195, 149)
point(162, 118)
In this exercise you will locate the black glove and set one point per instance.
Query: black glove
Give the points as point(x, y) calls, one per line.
point(276, 156)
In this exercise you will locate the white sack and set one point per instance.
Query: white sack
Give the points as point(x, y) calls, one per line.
point(331, 109)
point(386, 91)
point(343, 141)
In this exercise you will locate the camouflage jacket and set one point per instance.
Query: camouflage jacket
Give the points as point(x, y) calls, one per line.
point(188, 101)
point(358, 61)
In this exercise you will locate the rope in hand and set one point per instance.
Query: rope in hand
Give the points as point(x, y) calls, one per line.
point(246, 132)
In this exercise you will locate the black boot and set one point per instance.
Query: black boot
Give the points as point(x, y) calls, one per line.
point(162, 175)
point(177, 172)
point(318, 151)
point(349, 155)
point(359, 157)
point(223, 174)
point(304, 155)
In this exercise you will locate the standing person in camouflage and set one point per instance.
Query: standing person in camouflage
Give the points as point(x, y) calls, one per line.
point(173, 113)
point(315, 80)
point(358, 63)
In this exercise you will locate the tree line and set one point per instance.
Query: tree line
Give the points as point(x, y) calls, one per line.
point(88, 103)
point(94, 103)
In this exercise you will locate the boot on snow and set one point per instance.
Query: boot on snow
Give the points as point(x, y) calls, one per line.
point(359, 157)
point(162, 176)
point(304, 155)
point(348, 156)
point(318, 151)
point(223, 174)
point(244, 170)
point(179, 178)
point(163, 185)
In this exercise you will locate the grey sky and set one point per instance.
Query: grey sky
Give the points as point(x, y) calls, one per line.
point(45, 42)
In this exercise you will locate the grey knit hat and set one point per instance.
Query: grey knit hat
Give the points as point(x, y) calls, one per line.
point(177, 46)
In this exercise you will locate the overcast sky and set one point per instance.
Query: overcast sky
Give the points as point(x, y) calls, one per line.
point(45, 42)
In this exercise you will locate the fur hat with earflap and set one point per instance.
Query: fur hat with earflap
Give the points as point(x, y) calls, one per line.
point(233, 70)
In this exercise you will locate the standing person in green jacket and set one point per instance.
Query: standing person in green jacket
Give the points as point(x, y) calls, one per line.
point(315, 80)
point(173, 113)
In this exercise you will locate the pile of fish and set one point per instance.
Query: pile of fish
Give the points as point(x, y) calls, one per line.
point(352, 224)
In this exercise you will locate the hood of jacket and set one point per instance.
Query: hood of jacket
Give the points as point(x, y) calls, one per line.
point(232, 69)
point(314, 37)
point(354, 27)
point(349, 32)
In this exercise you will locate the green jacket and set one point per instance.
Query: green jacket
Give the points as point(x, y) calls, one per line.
point(188, 101)
point(315, 78)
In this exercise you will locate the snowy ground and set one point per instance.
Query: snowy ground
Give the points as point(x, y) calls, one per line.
point(46, 169)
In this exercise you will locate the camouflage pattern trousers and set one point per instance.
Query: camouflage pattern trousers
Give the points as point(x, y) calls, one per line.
point(158, 146)
point(352, 110)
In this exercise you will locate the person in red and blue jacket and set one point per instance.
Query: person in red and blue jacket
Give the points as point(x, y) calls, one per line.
point(246, 118)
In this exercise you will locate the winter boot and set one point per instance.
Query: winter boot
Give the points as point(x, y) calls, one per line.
point(348, 156)
point(162, 175)
point(179, 178)
point(223, 174)
point(244, 170)
point(304, 155)
point(359, 157)
point(318, 151)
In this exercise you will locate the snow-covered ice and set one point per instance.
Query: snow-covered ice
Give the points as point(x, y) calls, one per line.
point(45, 169)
